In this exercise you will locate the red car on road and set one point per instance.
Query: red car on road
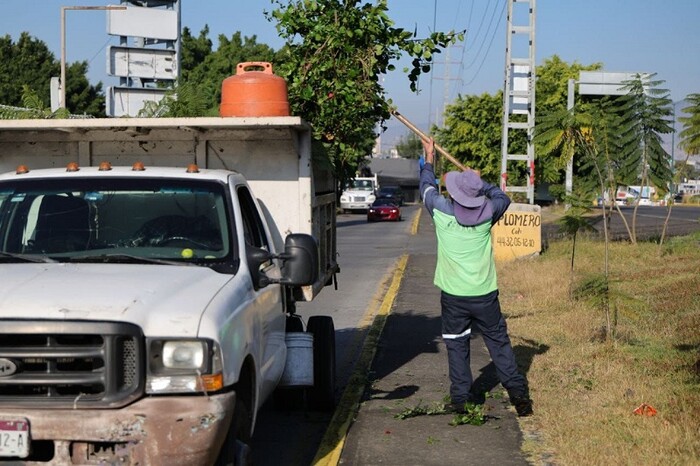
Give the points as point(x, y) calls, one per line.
point(384, 209)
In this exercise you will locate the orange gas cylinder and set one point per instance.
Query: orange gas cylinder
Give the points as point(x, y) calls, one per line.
point(252, 93)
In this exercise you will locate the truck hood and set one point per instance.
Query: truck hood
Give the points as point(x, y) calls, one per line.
point(161, 299)
point(358, 192)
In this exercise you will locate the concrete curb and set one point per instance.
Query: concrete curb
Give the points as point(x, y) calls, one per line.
point(334, 439)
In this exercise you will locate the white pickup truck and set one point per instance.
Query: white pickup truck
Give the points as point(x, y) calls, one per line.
point(149, 270)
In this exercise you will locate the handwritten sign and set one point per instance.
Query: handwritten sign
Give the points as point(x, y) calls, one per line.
point(518, 233)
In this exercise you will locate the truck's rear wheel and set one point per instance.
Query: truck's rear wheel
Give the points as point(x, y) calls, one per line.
point(236, 448)
point(322, 396)
point(288, 398)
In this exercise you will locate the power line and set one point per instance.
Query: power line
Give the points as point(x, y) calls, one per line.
point(459, 7)
point(489, 47)
point(447, 62)
point(493, 15)
point(100, 50)
point(464, 49)
point(481, 23)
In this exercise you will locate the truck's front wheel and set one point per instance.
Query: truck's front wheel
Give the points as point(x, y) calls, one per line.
point(236, 448)
point(322, 395)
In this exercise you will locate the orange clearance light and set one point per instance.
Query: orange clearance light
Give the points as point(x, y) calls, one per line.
point(211, 382)
point(22, 169)
point(192, 168)
point(72, 167)
point(105, 166)
point(138, 167)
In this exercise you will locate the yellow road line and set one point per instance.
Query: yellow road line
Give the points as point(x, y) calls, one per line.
point(416, 221)
point(334, 439)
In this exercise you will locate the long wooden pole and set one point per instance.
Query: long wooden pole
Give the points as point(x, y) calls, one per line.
point(425, 137)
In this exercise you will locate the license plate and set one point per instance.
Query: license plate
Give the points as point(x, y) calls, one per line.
point(14, 437)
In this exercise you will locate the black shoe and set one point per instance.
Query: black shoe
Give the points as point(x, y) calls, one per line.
point(523, 405)
point(457, 407)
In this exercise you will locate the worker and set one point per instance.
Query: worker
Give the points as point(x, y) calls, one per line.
point(466, 275)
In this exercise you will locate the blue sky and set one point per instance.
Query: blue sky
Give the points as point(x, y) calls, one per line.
point(661, 36)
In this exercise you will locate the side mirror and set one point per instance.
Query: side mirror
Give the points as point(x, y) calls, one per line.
point(256, 258)
point(299, 262)
point(300, 266)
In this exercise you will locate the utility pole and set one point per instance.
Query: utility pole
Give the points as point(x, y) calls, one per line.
point(519, 98)
point(440, 119)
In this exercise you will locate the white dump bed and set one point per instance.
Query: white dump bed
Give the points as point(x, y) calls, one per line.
point(272, 153)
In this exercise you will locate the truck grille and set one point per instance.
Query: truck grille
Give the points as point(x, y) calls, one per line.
point(70, 364)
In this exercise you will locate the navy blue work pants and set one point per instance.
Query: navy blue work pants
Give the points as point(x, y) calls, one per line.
point(458, 315)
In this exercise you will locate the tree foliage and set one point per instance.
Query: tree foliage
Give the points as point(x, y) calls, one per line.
point(25, 62)
point(647, 110)
point(81, 96)
point(562, 134)
point(193, 50)
point(336, 52)
point(683, 170)
point(472, 132)
point(690, 135)
point(185, 100)
point(29, 62)
point(552, 82)
point(32, 107)
point(410, 146)
point(553, 76)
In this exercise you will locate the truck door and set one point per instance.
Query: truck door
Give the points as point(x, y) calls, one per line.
point(269, 305)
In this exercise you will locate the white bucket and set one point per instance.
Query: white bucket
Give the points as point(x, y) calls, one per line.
point(299, 368)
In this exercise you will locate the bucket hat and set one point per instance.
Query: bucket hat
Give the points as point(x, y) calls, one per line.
point(465, 188)
point(470, 204)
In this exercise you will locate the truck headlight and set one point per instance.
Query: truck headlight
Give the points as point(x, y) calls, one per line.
point(183, 354)
point(183, 366)
point(371, 198)
point(343, 199)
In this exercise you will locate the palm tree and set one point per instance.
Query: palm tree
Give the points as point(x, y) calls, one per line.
point(563, 133)
point(647, 110)
point(690, 136)
point(568, 133)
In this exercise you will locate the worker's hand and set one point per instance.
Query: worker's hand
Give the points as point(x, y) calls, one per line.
point(429, 148)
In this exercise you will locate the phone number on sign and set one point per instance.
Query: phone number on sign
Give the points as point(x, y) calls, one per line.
point(515, 242)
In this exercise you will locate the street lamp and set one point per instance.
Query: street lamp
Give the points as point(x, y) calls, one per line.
point(62, 87)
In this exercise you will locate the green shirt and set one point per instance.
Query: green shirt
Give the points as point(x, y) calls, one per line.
point(465, 264)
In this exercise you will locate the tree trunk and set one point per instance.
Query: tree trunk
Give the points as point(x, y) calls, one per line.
point(571, 278)
point(668, 214)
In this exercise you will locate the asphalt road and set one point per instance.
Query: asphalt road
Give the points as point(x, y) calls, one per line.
point(649, 224)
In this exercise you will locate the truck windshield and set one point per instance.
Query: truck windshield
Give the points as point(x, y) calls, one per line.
point(362, 185)
point(110, 219)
